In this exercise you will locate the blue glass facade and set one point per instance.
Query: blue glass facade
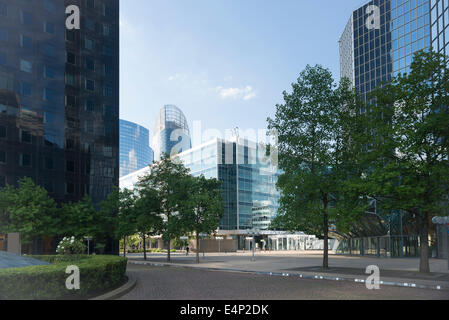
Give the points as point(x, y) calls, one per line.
point(135, 150)
point(440, 25)
point(374, 53)
point(171, 133)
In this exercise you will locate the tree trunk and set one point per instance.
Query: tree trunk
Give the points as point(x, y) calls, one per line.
point(124, 246)
point(197, 248)
point(144, 247)
point(424, 266)
point(326, 238)
point(168, 251)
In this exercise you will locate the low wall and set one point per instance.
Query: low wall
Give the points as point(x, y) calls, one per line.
point(213, 246)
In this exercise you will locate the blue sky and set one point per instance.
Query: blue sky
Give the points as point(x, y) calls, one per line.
point(223, 62)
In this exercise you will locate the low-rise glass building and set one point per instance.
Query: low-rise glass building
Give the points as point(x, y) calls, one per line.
point(248, 178)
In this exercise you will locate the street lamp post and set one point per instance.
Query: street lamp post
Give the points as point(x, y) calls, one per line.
point(254, 233)
point(88, 238)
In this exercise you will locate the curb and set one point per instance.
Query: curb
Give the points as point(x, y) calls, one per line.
point(119, 292)
point(312, 276)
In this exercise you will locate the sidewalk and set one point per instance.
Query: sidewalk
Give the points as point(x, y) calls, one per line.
point(398, 272)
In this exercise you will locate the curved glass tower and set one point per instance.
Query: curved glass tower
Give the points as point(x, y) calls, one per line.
point(171, 134)
point(135, 151)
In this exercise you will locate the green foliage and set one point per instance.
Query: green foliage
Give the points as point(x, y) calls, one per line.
point(97, 274)
point(83, 219)
point(408, 144)
point(28, 210)
point(166, 191)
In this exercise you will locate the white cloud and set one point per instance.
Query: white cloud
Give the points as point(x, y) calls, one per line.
point(177, 76)
point(245, 93)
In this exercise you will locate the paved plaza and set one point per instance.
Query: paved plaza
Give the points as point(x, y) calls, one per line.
point(403, 270)
point(163, 283)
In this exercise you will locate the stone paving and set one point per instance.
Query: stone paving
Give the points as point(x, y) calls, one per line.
point(162, 283)
point(403, 270)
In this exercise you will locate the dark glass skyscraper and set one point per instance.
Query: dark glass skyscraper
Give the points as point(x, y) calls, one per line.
point(171, 133)
point(59, 97)
point(380, 39)
point(135, 151)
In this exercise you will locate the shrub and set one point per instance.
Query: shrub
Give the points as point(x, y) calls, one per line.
point(97, 274)
point(69, 246)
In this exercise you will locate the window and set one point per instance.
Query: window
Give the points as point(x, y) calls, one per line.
point(26, 89)
point(26, 66)
point(2, 58)
point(70, 166)
point(3, 35)
point(70, 35)
point(3, 9)
point(90, 85)
point(49, 117)
point(90, 4)
point(88, 44)
point(89, 106)
point(25, 136)
point(107, 90)
point(26, 18)
point(49, 50)
point(2, 132)
point(26, 42)
point(106, 30)
point(49, 140)
point(48, 164)
point(70, 100)
point(71, 58)
point(90, 64)
point(2, 157)
point(49, 5)
point(25, 160)
point(90, 24)
point(107, 51)
point(70, 79)
point(49, 27)
point(70, 188)
point(69, 144)
point(48, 94)
point(49, 72)
point(108, 71)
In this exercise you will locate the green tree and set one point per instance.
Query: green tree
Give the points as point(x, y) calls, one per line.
point(171, 179)
point(409, 145)
point(312, 150)
point(28, 210)
point(148, 220)
point(82, 219)
point(119, 205)
point(205, 208)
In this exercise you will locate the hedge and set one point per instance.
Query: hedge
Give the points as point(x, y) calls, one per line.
point(47, 282)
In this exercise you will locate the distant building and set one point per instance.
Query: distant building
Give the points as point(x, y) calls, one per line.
point(171, 133)
point(250, 196)
point(135, 150)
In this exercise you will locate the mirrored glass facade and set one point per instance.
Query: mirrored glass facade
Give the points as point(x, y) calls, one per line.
point(380, 39)
point(440, 25)
point(135, 150)
point(59, 97)
point(171, 133)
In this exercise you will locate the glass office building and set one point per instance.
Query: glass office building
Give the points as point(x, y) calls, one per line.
point(377, 44)
point(440, 25)
point(59, 97)
point(135, 150)
point(171, 133)
point(380, 39)
point(248, 181)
